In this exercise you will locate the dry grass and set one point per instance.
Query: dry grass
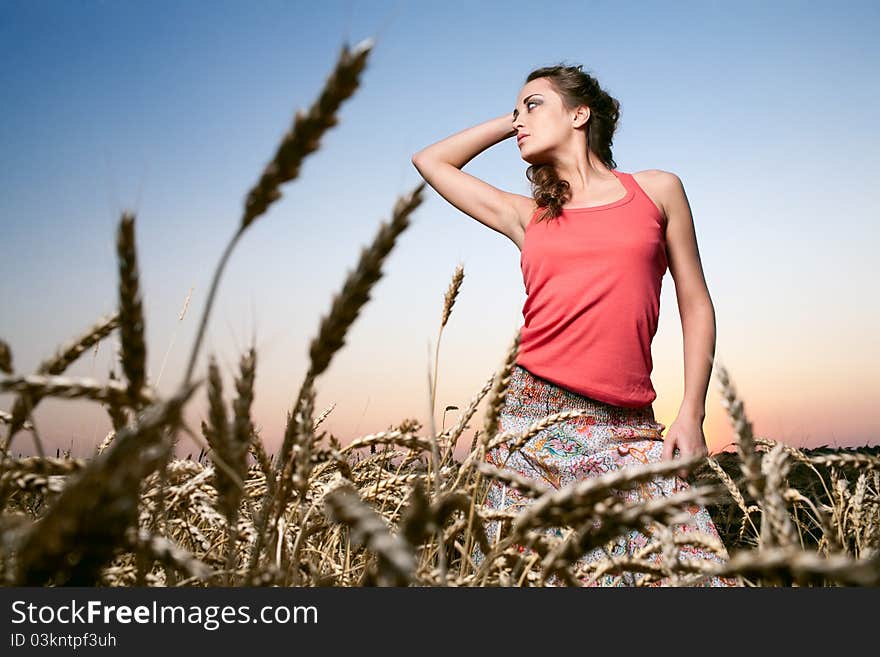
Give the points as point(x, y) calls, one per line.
point(390, 508)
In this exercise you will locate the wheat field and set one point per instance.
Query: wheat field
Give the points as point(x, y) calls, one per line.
point(393, 508)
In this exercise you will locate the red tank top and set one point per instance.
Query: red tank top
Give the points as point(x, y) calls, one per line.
point(592, 279)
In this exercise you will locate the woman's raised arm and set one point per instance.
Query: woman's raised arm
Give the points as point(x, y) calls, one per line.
point(440, 165)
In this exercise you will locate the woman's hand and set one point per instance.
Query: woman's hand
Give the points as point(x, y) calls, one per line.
point(685, 435)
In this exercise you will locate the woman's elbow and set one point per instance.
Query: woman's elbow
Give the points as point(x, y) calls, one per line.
point(420, 161)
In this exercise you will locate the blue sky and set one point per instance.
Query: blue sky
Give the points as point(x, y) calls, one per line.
point(766, 111)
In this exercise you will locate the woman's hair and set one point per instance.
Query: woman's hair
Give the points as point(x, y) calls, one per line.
point(575, 88)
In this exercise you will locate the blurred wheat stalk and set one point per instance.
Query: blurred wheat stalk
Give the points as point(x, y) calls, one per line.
point(391, 508)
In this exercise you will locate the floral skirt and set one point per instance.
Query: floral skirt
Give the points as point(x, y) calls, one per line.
point(607, 438)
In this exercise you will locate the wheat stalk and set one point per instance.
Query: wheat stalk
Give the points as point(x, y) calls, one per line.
point(79, 532)
point(303, 139)
point(63, 357)
point(131, 313)
point(448, 303)
point(44, 385)
point(180, 317)
point(493, 409)
point(5, 358)
point(499, 391)
point(393, 437)
point(579, 496)
point(775, 468)
point(527, 486)
point(331, 337)
point(396, 562)
point(802, 565)
point(615, 518)
point(456, 431)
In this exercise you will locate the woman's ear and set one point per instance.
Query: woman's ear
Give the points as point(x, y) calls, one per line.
point(581, 116)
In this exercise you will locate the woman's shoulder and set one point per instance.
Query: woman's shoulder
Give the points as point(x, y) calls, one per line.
point(658, 185)
point(654, 176)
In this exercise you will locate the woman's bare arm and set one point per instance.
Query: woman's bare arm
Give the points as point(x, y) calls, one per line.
point(440, 165)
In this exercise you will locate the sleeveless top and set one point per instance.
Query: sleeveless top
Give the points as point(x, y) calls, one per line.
point(592, 278)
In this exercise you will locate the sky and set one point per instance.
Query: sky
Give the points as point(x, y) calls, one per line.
point(766, 112)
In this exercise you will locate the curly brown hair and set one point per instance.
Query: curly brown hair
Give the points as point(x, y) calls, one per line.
point(575, 88)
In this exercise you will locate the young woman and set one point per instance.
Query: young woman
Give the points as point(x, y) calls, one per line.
point(595, 243)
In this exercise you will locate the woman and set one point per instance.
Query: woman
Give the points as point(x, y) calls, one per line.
point(594, 244)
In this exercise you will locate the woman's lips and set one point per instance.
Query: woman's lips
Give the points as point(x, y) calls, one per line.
point(519, 139)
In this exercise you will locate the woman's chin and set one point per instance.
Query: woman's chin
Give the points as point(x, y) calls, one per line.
point(532, 158)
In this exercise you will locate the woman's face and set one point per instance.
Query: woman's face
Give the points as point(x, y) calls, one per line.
point(540, 114)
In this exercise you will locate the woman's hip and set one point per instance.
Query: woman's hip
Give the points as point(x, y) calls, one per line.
point(603, 438)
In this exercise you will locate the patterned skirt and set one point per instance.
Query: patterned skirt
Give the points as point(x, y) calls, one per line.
point(607, 438)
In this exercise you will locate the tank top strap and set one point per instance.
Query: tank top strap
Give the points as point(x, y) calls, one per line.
point(627, 180)
point(634, 188)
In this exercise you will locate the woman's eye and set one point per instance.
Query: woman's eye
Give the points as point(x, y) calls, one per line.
point(531, 102)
